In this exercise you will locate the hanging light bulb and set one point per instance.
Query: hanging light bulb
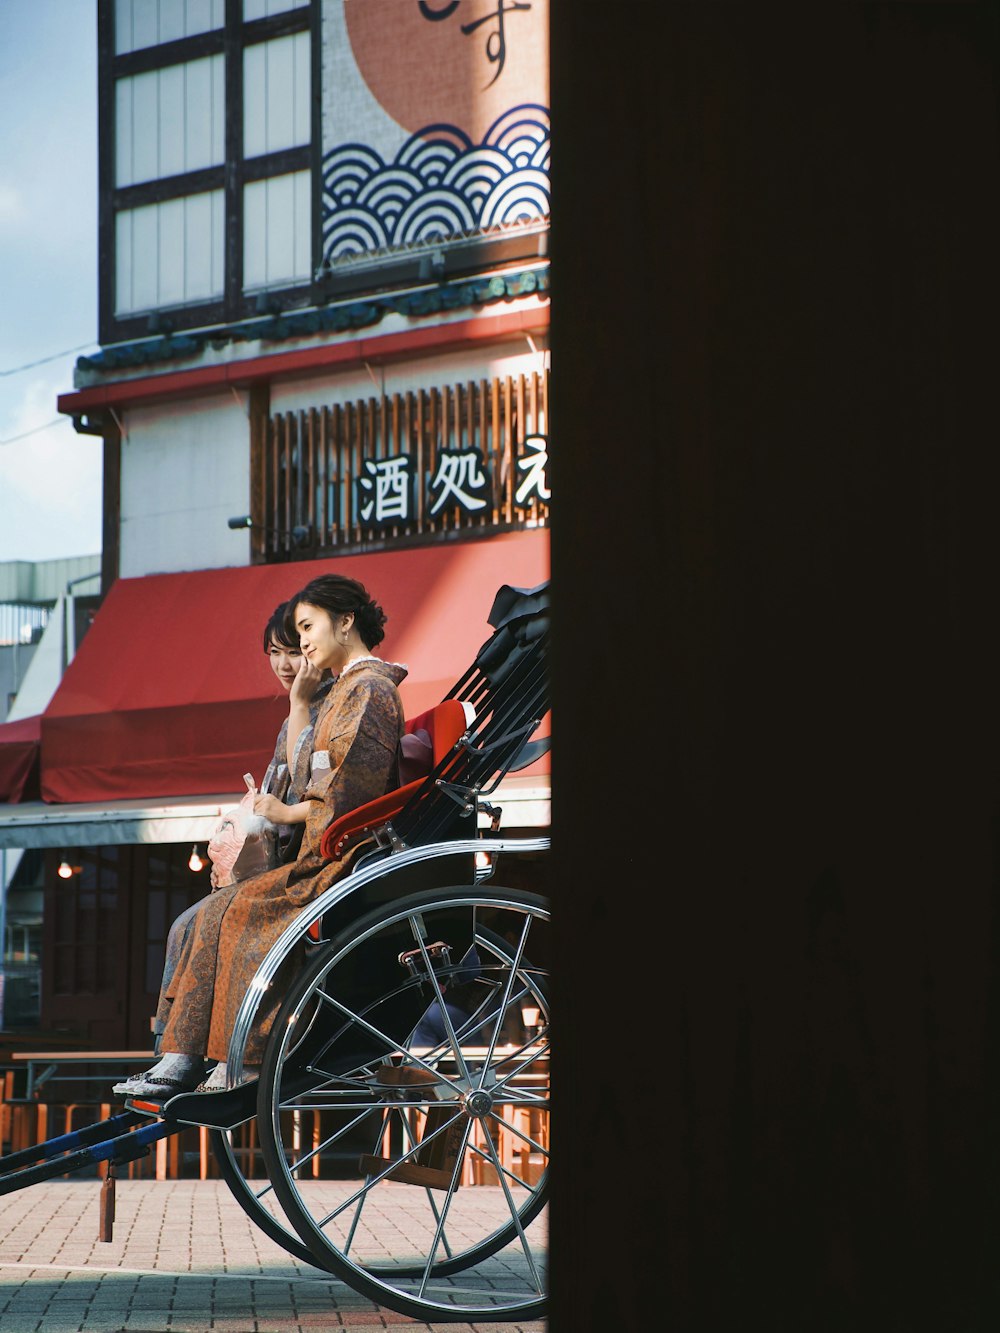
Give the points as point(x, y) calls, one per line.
point(195, 862)
point(65, 870)
point(530, 1015)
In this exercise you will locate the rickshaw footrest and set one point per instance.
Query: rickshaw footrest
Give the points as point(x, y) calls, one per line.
point(406, 1173)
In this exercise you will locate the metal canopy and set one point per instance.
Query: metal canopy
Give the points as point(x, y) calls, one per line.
point(524, 800)
point(35, 824)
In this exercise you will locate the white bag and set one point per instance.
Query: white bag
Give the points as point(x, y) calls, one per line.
point(243, 844)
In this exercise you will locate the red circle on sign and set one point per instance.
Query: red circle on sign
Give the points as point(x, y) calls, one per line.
point(424, 70)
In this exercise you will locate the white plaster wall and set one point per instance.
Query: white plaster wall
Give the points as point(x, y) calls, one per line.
point(185, 471)
point(186, 467)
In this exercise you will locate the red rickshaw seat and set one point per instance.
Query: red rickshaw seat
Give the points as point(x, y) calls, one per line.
point(435, 732)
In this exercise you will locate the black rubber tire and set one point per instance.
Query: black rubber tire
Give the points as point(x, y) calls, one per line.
point(344, 1068)
point(243, 1192)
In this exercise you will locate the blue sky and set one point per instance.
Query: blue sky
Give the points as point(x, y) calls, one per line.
point(50, 479)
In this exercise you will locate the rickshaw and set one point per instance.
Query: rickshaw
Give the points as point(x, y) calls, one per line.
point(402, 1105)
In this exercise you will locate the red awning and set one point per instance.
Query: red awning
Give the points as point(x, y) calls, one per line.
point(170, 693)
point(19, 746)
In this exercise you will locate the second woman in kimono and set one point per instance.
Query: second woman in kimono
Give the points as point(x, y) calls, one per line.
point(286, 779)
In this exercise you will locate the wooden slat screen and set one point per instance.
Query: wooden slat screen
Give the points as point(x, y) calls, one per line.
point(313, 460)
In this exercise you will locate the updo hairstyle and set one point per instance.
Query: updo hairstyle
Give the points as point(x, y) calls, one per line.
point(337, 595)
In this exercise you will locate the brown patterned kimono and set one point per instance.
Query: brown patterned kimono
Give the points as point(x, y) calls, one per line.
point(289, 784)
point(286, 783)
point(355, 756)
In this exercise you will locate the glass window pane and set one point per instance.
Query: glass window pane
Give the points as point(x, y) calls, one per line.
point(170, 253)
point(145, 23)
point(255, 235)
point(202, 279)
point(124, 122)
point(171, 23)
point(170, 121)
point(145, 127)
point(142, 23)
point(170, 288)
point(262, 9)
point(276, 95)
point(123, 26)
point(277, 231)
point(145, 257)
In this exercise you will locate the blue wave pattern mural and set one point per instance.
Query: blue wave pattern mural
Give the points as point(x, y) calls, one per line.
point(440, 185)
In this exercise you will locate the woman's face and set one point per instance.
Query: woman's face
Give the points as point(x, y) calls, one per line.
point(318, 637)
point(284, 662)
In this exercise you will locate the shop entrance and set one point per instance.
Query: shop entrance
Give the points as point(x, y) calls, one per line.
point(107, 913)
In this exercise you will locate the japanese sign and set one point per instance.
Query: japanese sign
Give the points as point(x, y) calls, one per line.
point(461, 478)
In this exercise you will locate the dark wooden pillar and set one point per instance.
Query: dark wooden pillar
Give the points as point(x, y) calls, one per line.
point(107, 425)
point(775, 563)
point(259, 413)
point(111, 509)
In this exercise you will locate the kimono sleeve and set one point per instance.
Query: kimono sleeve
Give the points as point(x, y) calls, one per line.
point(362, 751)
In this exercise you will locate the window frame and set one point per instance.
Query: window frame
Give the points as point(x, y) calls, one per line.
point(231, 176)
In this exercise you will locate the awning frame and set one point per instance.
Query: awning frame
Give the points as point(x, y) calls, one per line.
point(524, 800)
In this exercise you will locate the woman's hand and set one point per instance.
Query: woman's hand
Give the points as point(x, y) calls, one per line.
point(271, 808)
point(304, 686)
point(279, 813)
point(306, 683)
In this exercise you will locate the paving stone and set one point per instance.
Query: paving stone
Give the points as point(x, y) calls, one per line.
point(185, 1258)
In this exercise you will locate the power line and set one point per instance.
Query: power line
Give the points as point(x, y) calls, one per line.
point(44, 360)
point(59, 421)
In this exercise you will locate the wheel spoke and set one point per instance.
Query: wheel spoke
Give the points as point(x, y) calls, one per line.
point(359, 1021)
point(403, 1111)
point(514, 1211)
point(439, 1229)
point(328, 1142)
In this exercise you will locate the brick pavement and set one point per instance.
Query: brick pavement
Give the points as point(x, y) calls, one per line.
point(185, 1258)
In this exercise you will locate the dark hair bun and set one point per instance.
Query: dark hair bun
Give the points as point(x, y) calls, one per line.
point(337, 595)
point(370, 620)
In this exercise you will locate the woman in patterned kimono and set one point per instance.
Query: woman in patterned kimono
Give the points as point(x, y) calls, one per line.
point(355, 759)
point(286, 778)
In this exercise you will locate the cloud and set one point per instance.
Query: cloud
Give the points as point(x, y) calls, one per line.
point(50, 481)
point(48, 186)
point(12, 209)
point(51, 509)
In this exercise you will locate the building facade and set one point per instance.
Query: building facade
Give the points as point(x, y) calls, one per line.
point(324, 312)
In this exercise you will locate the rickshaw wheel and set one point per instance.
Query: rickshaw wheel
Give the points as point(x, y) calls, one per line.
point(251, 1195)
point(406, 1136)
